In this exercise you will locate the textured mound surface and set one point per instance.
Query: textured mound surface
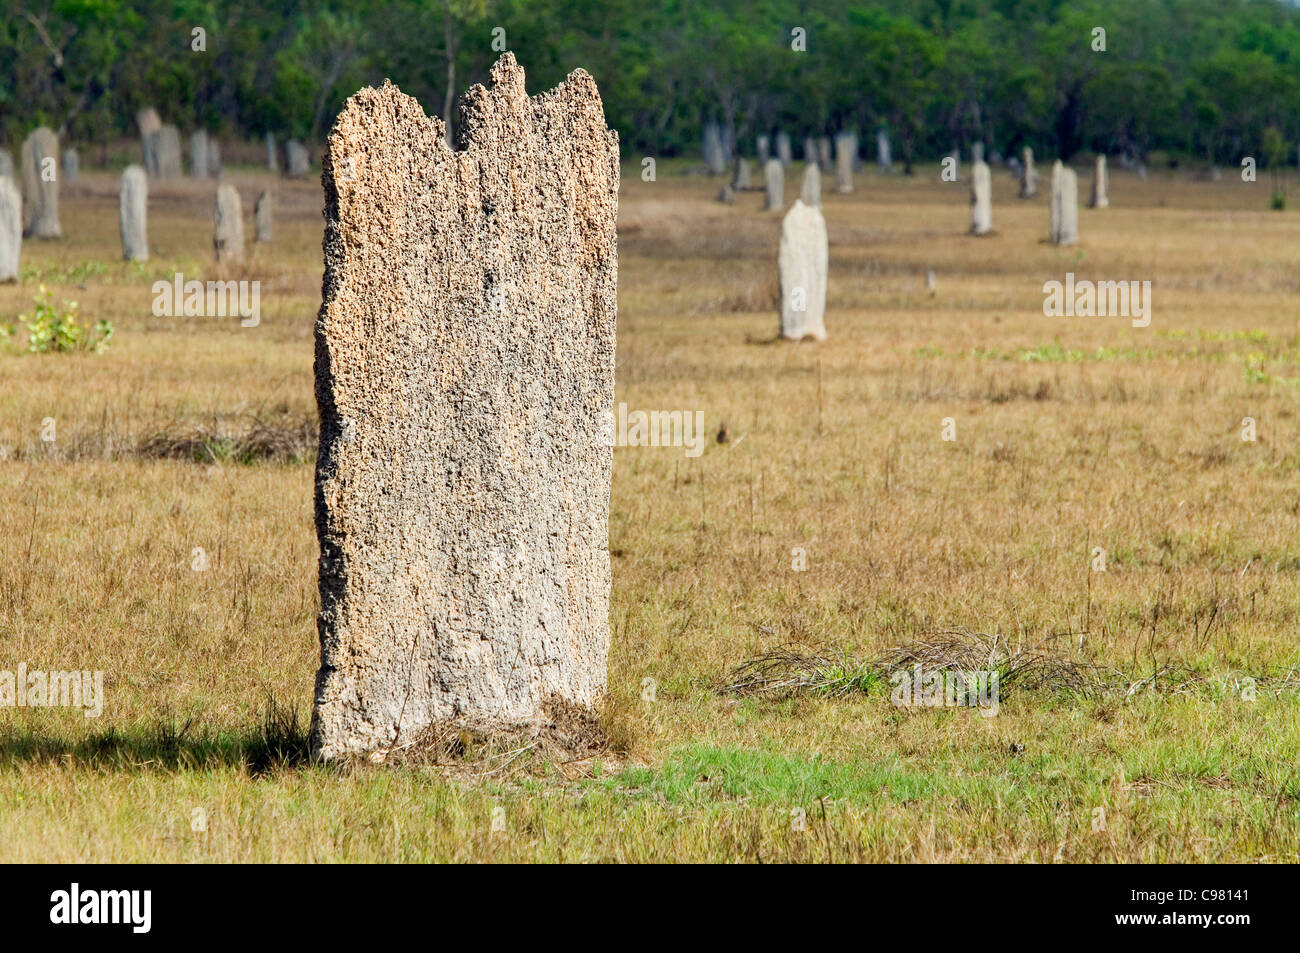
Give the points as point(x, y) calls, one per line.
point(464, 374)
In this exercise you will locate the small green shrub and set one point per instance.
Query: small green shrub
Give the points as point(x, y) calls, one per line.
point(53, 329)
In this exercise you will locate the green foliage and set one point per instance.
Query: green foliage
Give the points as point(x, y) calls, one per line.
point(1273, 146)
point(54, 329)
point(1219, 79)
point(846, 677)
point(64, 274)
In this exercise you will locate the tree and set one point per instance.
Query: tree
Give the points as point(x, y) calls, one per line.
point(1128, 108)
point(903, 63)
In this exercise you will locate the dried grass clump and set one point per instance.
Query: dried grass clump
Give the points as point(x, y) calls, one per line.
point(789, 670)
point(1035, 668)
point(246, 438)
point(293, 441)
point(569, 738)
point(786, 671)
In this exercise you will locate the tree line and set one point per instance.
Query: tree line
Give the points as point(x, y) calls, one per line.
point(1211, 79)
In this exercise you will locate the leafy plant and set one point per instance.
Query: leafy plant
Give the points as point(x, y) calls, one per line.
point(54, 329)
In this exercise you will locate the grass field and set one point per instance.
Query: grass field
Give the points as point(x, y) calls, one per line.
point(1141, 741)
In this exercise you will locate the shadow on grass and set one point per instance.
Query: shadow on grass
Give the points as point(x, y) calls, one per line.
point(279, 742)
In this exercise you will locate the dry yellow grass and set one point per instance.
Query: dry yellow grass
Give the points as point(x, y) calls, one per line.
point(1072, 433)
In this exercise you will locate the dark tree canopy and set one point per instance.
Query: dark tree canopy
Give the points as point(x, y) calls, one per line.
point(1213, 78)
